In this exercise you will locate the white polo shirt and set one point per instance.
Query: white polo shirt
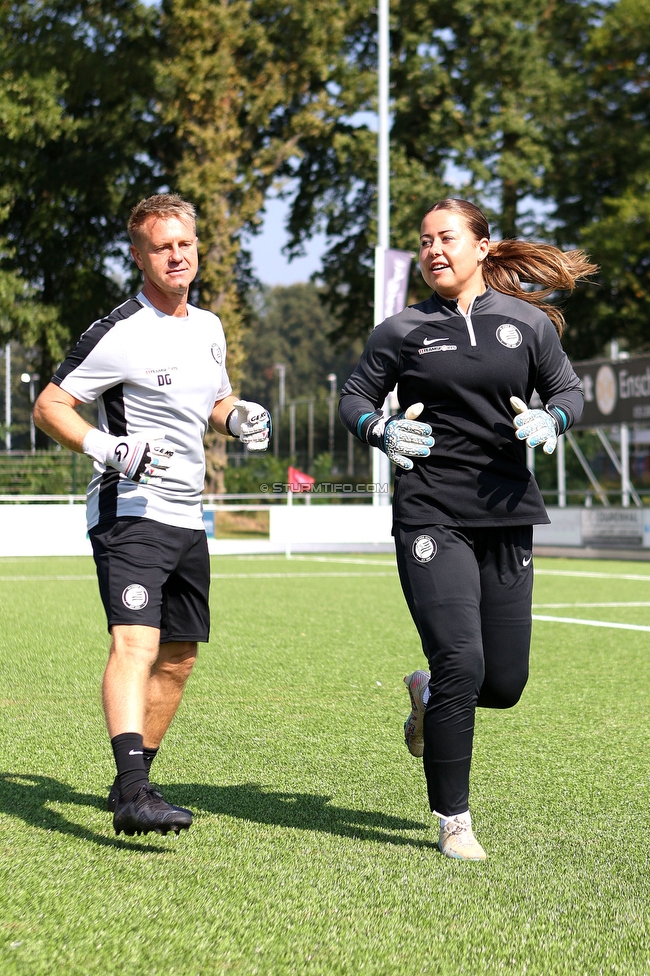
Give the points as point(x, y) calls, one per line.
point(150, 371)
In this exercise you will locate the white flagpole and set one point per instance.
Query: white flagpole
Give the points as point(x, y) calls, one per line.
point(380, 463)
point(383, 208)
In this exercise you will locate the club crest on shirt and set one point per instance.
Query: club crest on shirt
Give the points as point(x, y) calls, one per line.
point(217, 354)
point(424, 548)
point(135, 597)
point(509, 335)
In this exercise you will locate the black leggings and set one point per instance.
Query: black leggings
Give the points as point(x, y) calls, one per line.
point(470, 594)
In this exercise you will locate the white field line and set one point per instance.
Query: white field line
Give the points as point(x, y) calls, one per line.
point(224, 576)
point(569, 606)
point(391, 562)
point(325, 559)
point(41, 579)
point(590, 623)
point(227, 576)
point(587, 575)
point(356, 560)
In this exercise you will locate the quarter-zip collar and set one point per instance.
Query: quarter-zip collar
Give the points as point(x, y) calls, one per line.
point(452, 303)
point(453, 306)
point(468, 320)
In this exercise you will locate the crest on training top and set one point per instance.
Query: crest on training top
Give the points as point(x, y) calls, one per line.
point(509, 335)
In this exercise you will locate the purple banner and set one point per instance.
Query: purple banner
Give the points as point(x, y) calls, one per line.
point(397, 265)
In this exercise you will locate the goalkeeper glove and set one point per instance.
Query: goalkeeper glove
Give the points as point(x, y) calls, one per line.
point(251, 423)
point(139, 457)
point(534, 426)
point(402, 437)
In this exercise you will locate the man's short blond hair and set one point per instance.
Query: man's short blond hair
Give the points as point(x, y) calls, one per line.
point(160, 205)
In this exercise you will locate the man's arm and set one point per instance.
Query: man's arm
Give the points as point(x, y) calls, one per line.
point(140, 457)
point(221, 412)
point(249, 421)
point(55, 414)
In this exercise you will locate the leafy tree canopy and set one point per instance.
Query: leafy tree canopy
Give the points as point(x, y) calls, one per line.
point(601, 180)
point(105, 101)
point(75, 154)
point(477, 94)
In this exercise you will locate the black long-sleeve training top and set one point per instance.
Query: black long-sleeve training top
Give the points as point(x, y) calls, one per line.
point(465, 368)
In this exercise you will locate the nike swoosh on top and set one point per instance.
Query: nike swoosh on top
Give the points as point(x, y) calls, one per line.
point(135, 752)
point(428, 342)
point(525, 562)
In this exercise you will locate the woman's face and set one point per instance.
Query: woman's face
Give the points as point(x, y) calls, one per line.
point(450, 256)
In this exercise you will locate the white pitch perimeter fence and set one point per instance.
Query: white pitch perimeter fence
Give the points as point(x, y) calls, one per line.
point(55, 525)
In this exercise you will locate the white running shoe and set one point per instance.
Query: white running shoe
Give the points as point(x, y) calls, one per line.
point(413, 737)
point(457, 839)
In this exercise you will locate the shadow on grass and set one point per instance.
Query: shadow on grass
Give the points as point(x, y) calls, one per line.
point(27, 796)
point(304, 811)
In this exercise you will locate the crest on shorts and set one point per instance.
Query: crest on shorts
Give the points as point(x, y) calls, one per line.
point(509, 335)
point(217, 354)
point(135, 597)
point(424, 548)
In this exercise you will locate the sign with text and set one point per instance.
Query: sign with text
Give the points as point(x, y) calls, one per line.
point(615, 393)
point(621, 528)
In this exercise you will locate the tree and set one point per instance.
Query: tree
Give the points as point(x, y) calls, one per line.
point(477, 91)
point(77, 139)
point(29, 116)
point(242, 84)
point(601, 180)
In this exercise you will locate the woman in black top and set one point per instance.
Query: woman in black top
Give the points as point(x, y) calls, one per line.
point(465, 363)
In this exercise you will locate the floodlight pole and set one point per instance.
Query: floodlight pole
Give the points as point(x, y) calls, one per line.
point(31, 378)
point(380, 463)
point(331, 379)
point(8, 397)
point(625, 439)
point(561, 473)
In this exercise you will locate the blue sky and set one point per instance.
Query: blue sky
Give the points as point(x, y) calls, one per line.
point(270, 265)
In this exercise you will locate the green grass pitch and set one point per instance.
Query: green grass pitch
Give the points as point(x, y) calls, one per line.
point(313, 850)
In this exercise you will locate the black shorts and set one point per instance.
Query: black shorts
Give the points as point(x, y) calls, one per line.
point(154, 575)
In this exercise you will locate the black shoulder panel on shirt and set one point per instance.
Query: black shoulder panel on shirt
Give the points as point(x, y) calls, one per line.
point(95, 334)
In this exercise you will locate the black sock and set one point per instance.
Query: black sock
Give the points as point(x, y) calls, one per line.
point(148, 755)
point(129, 759)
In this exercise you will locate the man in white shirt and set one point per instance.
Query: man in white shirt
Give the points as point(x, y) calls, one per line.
point(156, 367)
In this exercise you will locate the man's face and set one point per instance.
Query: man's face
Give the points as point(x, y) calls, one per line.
point(167, 254)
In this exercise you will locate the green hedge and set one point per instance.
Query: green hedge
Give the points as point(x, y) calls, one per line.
point(44, 473)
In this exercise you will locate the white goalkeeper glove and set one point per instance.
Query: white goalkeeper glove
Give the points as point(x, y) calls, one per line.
point(534, 426)
point(403, 437)
point(139, 457)
point(251, 423)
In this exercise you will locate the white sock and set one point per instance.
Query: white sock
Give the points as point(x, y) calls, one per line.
point(425, 695)
point(464, 818)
